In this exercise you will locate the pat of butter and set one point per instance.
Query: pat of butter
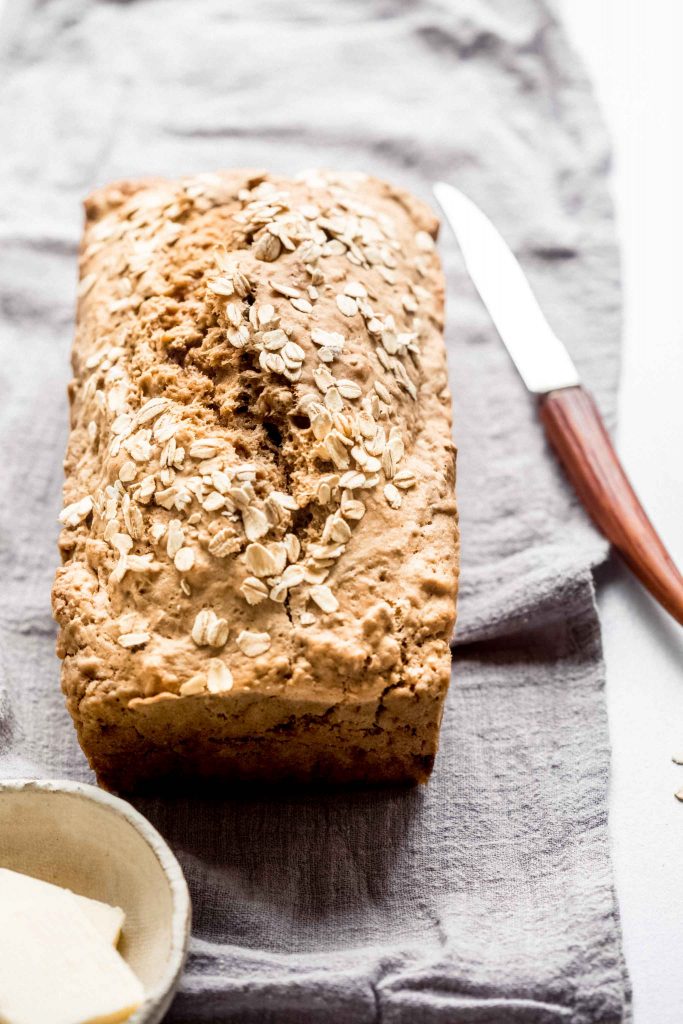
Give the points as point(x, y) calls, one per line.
point(107, 919)
point(58, 964)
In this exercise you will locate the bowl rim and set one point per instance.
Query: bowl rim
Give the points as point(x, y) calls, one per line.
point(157, 999)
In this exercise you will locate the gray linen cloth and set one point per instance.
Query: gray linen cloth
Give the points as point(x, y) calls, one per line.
point(486, 896)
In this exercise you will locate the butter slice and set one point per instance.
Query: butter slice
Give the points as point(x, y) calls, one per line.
point(107, 919)
point(57, 961)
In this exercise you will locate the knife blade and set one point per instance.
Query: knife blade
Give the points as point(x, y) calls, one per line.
point(541, 359)
point(569, 414)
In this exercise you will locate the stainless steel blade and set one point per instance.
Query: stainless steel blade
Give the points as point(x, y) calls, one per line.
point(540, 357)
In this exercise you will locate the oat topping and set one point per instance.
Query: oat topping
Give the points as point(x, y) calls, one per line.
point(324, 598)
point(72, 515)
point(254, 590)
point(134, 639)
point(393, 495)
point(197, 684)
point(218, 677)
point(223, 543)
point(266, 560)
point(288, 300)
point(347, 305)
point(405, 479)
point(184, 559)
point(208, 630)
point(252, 644)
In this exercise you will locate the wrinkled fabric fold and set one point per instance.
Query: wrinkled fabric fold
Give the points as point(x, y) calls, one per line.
point(486, 896)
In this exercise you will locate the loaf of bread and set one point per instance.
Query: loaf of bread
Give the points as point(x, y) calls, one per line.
point(259, 545)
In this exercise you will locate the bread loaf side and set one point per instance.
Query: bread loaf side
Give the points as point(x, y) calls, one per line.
point(260, 535)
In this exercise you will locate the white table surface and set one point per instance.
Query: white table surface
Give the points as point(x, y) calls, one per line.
point(634, 52)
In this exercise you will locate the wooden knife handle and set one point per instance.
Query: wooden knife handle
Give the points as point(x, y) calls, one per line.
point(575, 430)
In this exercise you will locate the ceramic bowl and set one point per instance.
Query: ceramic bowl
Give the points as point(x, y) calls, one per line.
point(86, 840)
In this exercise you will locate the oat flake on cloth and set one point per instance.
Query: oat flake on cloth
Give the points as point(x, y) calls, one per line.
point(487, 896)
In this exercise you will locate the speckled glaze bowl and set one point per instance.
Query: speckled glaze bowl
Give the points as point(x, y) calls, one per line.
point(97, 845)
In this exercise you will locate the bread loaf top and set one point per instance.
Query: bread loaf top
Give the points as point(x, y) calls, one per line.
point(260, 471)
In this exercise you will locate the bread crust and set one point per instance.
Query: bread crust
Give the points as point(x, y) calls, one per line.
point(260, 545)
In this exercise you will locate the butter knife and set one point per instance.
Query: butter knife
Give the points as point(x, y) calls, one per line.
point(569, 414)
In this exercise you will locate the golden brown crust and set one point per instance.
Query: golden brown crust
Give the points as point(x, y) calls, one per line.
point(260, 542)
